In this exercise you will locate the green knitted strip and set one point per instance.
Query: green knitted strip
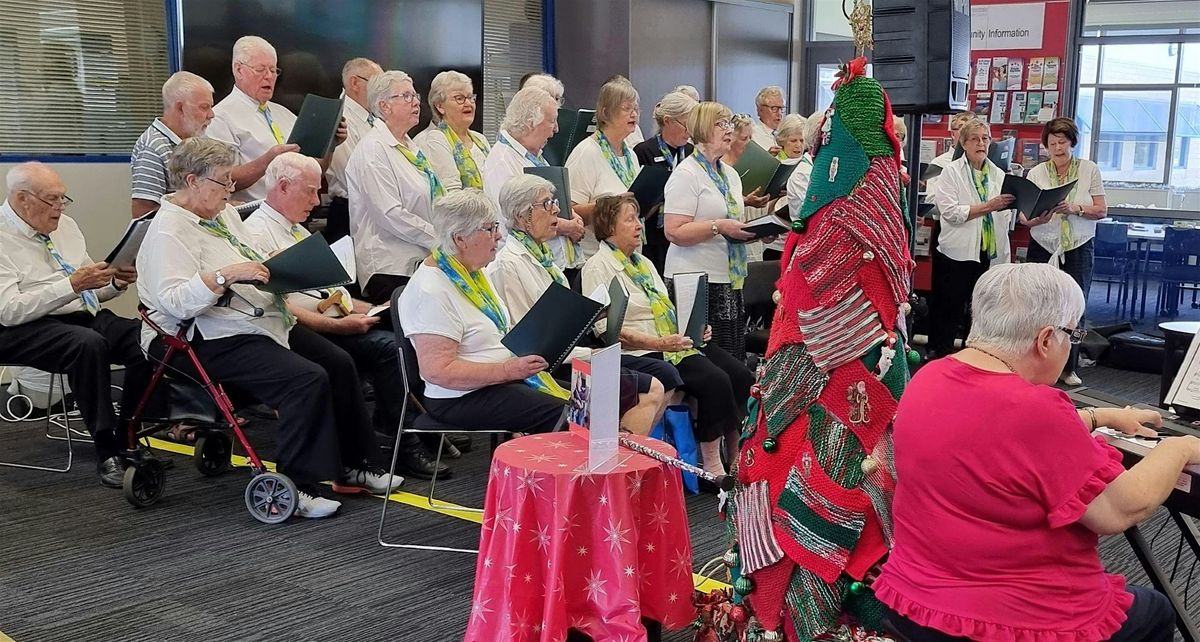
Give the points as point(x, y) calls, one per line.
point(813, 604)
point(867, 609)
point(812, 529)
point(839, 452)
point(790, 383)
point(860, 104)
point(851, 165)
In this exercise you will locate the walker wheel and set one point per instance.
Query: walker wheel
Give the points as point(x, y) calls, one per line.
point(144, 482)
point(271, 498)
point(211, 456)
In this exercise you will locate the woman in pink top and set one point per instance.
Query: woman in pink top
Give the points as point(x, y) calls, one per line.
point(1002, 493)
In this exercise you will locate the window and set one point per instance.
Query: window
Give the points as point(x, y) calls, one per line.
point(1181, 153)
point(80, 77)
point(1108, 155)
point(1145, 155)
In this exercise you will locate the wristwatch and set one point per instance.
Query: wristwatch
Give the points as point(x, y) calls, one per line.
point(715, 229)
point(221, 280)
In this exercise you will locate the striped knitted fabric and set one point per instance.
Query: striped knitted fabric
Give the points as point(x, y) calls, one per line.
point(840, 334)
point(790, 383)
point(838, 451)
point(837, 169)
point(814, 605)
point(757, 544)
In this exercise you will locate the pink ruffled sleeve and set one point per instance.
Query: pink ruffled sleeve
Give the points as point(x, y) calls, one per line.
point(1073, 507)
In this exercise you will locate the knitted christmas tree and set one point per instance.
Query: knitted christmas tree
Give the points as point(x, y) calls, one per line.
point(811, 511)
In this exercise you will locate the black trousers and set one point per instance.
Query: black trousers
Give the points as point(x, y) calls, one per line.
point(379, 289)
point(953, 282)
point(84, 346)
point(307, 448)
point(506, 406)
point(721, 386)
point(1078, 263)
point(356, 436)
point(337, 219)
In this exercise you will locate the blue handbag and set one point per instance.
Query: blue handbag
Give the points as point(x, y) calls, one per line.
point(675, 428)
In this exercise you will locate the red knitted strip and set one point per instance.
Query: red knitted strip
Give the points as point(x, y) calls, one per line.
point(883, 406)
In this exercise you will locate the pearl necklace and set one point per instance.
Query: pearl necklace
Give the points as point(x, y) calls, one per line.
point(1006, 364)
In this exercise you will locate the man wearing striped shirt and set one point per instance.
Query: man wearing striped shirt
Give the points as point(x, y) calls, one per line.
point(187, 110)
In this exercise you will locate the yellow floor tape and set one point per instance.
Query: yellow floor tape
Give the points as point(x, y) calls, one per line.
point(401, 497)
point(5, 638)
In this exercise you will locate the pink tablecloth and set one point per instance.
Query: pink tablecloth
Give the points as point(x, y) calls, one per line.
point(563, 549)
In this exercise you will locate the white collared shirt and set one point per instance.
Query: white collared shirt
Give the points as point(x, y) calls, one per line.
point(436, 146)
point(174, 253)
point(32, 283)
point(518, 278)
point(600, 270)
point(763, 135)
point(1049, 235)
point(591, 178)
point(391, 212)
point(690, 192)
point(431, 304)
point(237, 121)
point(959, 238)
point(504, 162)
point(148, 161)
point(273, 232)
point(356, 127)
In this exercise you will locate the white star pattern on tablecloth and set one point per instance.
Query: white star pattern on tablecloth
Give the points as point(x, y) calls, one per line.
point(557, 444)
point(629, 571)
point(487, 562)
point(682, 562)
point(649, 547)
point(541, 458)
point(635, 486)
point(569, 523)
point(537, 628)
point(504, 517)
point(581, 623)
point(521, 622)
point(659, 517)
point(595, 586)
point(509, 568)
point(531, 482)
point(615, 535)
point(581, 551)
point(673, 598)
point(528, 578)
point(516, 527)
point(543, 538)
point(480, 610)
point(603, 499)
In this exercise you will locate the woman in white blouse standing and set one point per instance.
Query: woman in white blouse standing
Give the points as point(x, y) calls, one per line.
point(1064, 234)
point(455, 152)
point(603, 164)
point(703, 212)
point(973, 234)
point(392, 188)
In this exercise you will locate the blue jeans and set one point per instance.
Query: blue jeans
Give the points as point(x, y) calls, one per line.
point(1078, 264)
point(376, 356)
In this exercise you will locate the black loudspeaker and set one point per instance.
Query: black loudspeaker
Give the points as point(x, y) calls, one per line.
point(922, 54)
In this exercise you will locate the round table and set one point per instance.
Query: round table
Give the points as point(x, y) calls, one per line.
point(565, 549)
point(1179, 336)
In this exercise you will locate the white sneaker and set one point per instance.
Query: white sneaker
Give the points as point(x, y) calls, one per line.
point(366, 480)
point(1071, 379)
point(315, 506)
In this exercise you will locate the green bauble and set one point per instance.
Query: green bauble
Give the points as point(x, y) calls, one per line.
point(799, 226)
point(914, 357)
point(769, 444)
point(743, 585)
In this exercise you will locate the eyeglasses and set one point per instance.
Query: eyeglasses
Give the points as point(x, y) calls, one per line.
point(228, 187)
point(408, 97)
point(1075, 335)
point(548, 204)
point(362, 78)
point(724, 124)
point(461, 99)
point(629, 109)
point(263, 69)
point(61, 201)
point(777, 109)
point(490, 229)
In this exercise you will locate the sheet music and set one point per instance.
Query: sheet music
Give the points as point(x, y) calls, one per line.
point(343, 249)
point(686, 287)
point(1185, 389)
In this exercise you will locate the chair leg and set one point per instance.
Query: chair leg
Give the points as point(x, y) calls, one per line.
point(429, 499)
point(49, 421)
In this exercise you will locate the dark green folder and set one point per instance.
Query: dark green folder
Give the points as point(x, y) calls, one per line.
point(691, 302)
point(756, 167)
point(1031, 199)
point(618, 303)
point(648, 187)
point(554, 325)
point(307, 265)
point(574, 125)
point(561, 179)
point(316, 126)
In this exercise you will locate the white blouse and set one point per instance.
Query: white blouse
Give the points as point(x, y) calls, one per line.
point(600, 270)
point(959, 238)
point(591, 178)
point(436, 146)
point(238, 122)
point(690, 192)
point(1048, 235)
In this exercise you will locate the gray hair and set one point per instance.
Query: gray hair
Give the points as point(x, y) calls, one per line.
point(180, 86)
point(791, 125)
point(812, 129)
point(289, 167)
point(23, 177)
point(439, 89)
point(518, 194)
point(1014, 301)
point(768, 92)
point(460, 213)
point(613, 94)
point(246, 46)
point(379, 87)
point(550, 84)
point(198, 155)
point(689, 91)
point(675, 105)
point(525, 110)
point(356, 67)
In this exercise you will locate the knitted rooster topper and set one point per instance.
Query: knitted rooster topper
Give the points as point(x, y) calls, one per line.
point(811, 511)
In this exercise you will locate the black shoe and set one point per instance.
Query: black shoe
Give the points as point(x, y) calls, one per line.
point(416, 462)
point(449, 450)
point(461, 442)
point(111, 472)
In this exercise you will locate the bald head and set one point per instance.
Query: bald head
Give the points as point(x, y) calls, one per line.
point(356, 73)
point(37, 194)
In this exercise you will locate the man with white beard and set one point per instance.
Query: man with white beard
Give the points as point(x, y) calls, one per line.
point(187, 110)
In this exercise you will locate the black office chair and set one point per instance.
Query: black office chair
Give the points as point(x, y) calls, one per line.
point(758, 299)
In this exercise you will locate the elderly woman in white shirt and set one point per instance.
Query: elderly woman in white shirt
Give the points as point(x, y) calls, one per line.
point(392, 187)
point(793, 150)
point(668, 147)
point(1063, 235)
point(703, 211)
point(719, 382)
point(972, 236)
point(454, 151)
point(603, 163)
point(524, 269)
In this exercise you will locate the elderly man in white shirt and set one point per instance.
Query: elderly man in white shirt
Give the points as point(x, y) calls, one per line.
point(392, 189)
point(356, 73)
point(769, 104)
point(187, 111)
point(247, 119)
point(530, 120)
point(350, 340)
point(196, 260)
point(50, 314)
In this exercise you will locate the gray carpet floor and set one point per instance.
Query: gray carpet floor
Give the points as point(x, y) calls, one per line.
point(77, 563)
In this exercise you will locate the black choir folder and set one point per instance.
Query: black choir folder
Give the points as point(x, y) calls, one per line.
point(691, 304)
point(316, 126)
point(772, 224)
point(648, 187)
point(573, 127)
point(307, 265)
point(554, 325)
point(124, 254)
point(1031, 199)
point(560, 178)
point(618, 303)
